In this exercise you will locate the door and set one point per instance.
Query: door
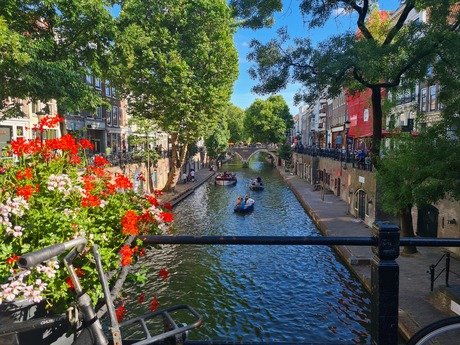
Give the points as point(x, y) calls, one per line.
point(427, 221)
point(362, 204)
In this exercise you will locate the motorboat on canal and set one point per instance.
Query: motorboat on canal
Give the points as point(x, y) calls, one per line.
point(226, 179)
point(243, 208)
point(244, 205)
point(256, 184)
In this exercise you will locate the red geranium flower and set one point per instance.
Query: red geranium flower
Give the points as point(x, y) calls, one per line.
point(166, 216)
point(120, 312)
point(163, 273)
point(12, 259)
point(85, 144)
point(126, 255)
point(154, 304)
point(167, 206)
point(141, 298)
point(129, 223)
point(26, 191)
point(100, 161)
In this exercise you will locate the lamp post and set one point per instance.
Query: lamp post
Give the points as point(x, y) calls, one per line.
point(347, 128)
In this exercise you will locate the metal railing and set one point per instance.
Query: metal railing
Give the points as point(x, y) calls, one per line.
point(338, 155)
point(385, 241)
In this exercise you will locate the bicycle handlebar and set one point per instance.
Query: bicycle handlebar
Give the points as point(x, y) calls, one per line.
point(34, 258)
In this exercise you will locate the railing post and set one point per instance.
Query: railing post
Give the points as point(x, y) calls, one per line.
point(385, 284)
point(447, 268)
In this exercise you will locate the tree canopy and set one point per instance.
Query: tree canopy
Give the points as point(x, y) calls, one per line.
point(176, 63)
point(263, 122)
point(47, 48)
point(266, 121)
point(379, 54)
point(417, 172)
point(217, 142)
point(235, 122)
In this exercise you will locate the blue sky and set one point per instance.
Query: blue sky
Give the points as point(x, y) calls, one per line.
point(290, 17)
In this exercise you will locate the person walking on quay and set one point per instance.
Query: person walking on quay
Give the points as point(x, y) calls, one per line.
point(184, 177)
point(192, 175)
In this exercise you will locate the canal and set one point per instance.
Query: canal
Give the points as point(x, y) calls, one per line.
point(257, 293)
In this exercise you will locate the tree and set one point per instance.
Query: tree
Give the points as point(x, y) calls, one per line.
point(378, 56)
point(417, 172)
point(285, 152)
point(217, 142)
point(142, 137)
point(235, 119)
point(281, 110)
point(262, 123)
point(47, 48)
point(176, 63)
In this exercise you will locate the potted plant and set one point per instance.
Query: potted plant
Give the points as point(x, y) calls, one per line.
point(50, 194)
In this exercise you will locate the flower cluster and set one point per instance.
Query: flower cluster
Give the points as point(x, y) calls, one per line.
point(51, 194)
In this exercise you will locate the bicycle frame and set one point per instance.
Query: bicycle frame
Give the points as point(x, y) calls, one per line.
point(91, 331)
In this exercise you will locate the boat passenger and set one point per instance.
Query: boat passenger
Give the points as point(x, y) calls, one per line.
point(259, 180)
point(248, 201)
point(238, 201)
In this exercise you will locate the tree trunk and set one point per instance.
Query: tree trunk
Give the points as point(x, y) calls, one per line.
point(377, 116)
point(177, 160)
point(407, 229)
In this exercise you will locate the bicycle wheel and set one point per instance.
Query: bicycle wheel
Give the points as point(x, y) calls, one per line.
point(446, 331)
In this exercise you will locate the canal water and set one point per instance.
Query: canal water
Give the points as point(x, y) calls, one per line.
point(257, 293)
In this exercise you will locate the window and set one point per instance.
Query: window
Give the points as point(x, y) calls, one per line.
point(115, 115)
point(19, 131)
point(97, 83)
point(429, 71)
point(109, 117)
point(423, 100)
point(432, 98)
point(89, 76)
point(108, 90)
point(99, 113)
point(120, 116)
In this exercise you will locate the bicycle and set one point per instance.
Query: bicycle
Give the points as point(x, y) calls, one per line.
point(88, 327)
point(446, 331)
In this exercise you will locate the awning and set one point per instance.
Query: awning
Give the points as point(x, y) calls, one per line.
point(385, 134)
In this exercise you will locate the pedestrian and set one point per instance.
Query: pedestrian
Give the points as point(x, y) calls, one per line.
point(192, 175)
point(184, 177)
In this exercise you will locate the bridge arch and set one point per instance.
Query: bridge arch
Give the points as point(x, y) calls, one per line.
point(245, 153)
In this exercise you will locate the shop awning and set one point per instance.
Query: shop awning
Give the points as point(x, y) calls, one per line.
point(385, 134)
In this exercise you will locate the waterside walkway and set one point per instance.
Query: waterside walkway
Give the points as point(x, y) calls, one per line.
point(418, 306)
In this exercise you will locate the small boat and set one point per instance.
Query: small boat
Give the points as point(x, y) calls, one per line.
point(226, 179)
point(256, 186)
point(244, 209)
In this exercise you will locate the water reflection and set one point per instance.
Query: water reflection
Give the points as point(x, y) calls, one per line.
point(258, 293)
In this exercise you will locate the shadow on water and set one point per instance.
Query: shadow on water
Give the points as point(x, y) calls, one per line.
point(256, 293)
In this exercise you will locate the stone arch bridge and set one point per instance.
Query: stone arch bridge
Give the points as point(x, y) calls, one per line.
point(246, 152)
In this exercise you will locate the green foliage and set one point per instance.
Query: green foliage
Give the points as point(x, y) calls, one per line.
point(144, 132)
point(217, 142)
point(52, 195)
point(419, 171)
point(177, 62)
point(49, 45)
point(377, 55)
point(285, 152)
point(235, 122)
point(266, 121)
